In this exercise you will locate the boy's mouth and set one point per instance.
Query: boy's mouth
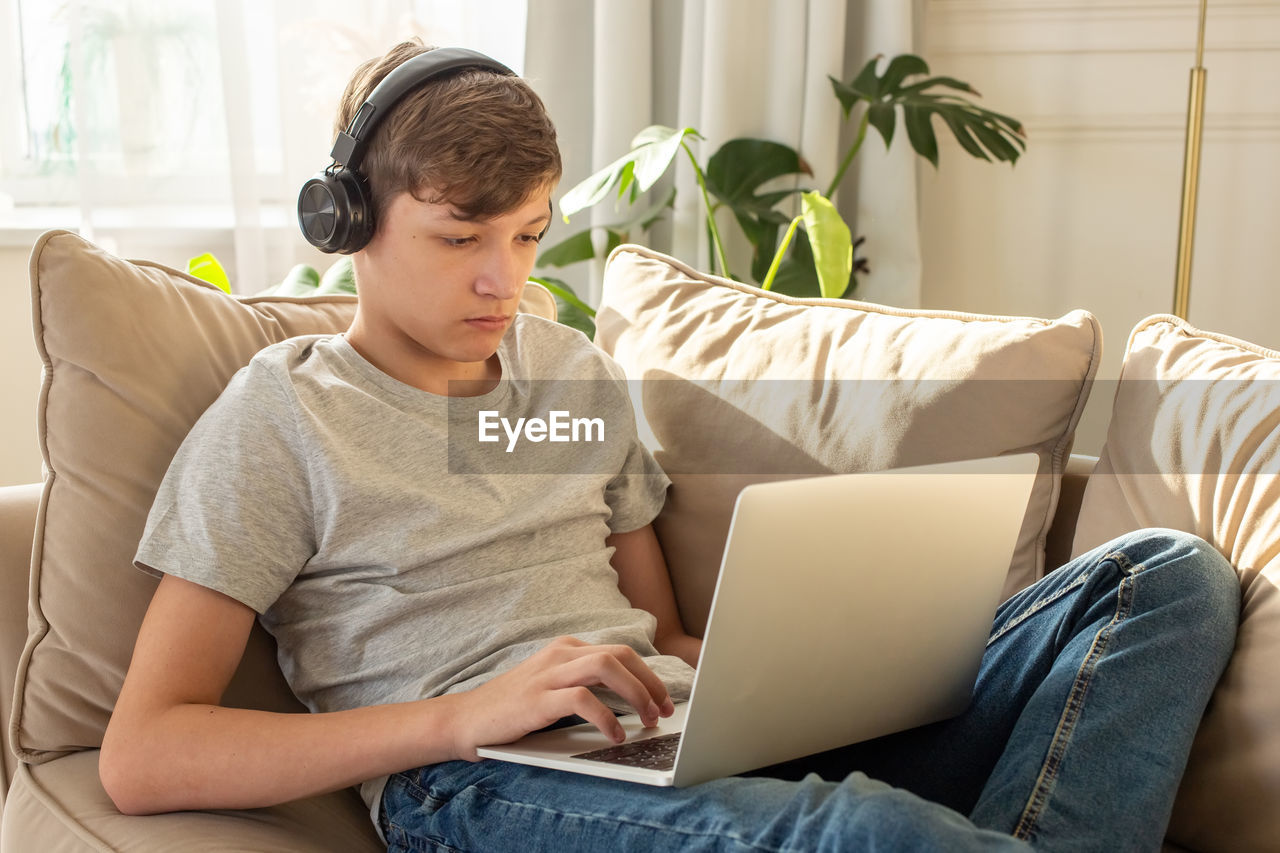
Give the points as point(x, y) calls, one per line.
point(489, 322)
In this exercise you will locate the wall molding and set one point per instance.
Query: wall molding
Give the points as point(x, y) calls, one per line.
point(958, 27)
point(1229, 128)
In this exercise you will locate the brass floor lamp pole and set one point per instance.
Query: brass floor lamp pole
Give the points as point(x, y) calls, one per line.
point(1190, 177)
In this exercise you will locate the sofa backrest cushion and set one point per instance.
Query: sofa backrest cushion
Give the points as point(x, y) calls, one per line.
point(17, 523)
point(1194, 444)
point(737, 385)
point(133, 354)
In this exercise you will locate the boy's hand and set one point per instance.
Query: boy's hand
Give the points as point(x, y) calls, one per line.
point(553, 683)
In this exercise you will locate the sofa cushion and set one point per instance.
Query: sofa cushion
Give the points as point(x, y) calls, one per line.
point(133, 354)
point(61, 806)
point(1194, 444)
point(737, 385)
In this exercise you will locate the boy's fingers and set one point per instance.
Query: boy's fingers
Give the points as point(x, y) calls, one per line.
point(635, 664)
point(585, 704)
point(625, 655)
point(608, 671)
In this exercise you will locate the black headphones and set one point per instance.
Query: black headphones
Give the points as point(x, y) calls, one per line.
point(335, 208)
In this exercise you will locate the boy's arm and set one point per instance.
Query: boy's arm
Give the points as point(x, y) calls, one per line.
point(645, 581)
point(171, 746)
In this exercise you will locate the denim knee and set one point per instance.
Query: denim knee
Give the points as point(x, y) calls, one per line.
point(1196, 570)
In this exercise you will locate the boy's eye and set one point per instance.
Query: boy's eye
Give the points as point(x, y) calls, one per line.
point(457, 242)
point(531, 238)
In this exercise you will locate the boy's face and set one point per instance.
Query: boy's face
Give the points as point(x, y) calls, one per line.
point(437, 292)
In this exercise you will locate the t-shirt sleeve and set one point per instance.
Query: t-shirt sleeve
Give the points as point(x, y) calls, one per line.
point(636, 495)
point(234, 511)
point(639, 490)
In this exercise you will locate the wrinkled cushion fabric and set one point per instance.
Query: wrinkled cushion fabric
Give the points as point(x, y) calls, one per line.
point(1194, 444)
point(737, 385)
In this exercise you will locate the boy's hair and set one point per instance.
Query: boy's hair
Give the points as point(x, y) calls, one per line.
point(476, 139)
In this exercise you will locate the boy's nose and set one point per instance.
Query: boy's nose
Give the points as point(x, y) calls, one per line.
point(500, 276)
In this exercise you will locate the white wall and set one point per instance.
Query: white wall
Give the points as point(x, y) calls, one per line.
point(1089, 216)
point(19, 373)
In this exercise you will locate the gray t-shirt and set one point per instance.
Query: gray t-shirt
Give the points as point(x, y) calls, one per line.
point(393, 553)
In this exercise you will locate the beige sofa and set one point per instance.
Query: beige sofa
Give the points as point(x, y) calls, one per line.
point(732, 386)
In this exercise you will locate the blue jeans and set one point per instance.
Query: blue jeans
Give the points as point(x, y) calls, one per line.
point(1090, 691)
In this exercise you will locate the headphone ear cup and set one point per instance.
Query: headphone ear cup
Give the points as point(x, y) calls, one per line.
point(335, 211)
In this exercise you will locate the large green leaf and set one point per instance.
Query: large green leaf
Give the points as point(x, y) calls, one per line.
point(735, 174)
point(741, 166)
point(570, 310)
point(882, 117)
point(571, 250)
point(796, 274)
point(762, 232)
point(920, 131)
point(900, 67)
point(973, 127)
point(980, 132)
point(946, 82)
point(580, 246)
point(994, 141)
point(831, 242)
point(866, 84)
point(650, 156)
point(847, 95)
point(964, 136)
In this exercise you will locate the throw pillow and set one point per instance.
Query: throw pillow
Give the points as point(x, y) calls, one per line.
point(133, 354)
point(737, 385)
point(1194, 444)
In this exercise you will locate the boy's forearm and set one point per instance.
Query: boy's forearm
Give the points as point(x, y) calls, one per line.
point(681, 645)
point(644, 579)
point(170, 746)
point(164, 757)
point(206, 756)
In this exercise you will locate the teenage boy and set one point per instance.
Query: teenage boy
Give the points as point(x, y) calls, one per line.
point(424, 609)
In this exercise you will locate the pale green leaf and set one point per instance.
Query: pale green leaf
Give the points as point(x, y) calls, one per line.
point(302, 280)
point(831, 242)
point(340, 277)
point(653, 150)
point(650, 156)
point(593, 189)
point(207, 268)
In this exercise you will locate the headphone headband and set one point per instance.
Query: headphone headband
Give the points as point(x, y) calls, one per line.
point(335, 210)
point(348, 148)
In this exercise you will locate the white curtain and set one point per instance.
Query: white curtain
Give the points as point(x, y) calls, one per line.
point(730, 68)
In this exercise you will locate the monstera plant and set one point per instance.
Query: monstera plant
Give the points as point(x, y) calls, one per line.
point(743, 176)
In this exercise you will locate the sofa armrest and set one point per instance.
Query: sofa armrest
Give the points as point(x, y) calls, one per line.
point(17, 529)
point(1057, 546)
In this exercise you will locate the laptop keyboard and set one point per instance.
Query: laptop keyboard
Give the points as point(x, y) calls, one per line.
point(655, 753)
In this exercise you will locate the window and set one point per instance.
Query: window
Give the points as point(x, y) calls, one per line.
point(187, 103)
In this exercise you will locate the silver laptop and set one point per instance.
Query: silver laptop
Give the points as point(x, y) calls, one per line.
point(848, 607)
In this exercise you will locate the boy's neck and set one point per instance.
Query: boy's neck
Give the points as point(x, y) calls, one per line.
point(429, 373)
